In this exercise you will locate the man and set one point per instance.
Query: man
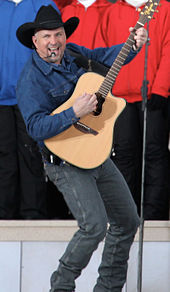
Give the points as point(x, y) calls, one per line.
point(22, 183)
point(128, 135)
point(95, 196)
point(90, 14)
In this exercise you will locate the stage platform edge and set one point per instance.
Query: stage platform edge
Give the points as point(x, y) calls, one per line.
point(62, 230)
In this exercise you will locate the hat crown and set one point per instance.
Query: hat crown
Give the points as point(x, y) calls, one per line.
point(47, 14)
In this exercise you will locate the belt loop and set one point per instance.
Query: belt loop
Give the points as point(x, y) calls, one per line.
point(51, 158)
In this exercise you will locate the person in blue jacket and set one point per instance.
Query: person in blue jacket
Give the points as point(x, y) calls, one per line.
point(96, 196)
point(22, 183)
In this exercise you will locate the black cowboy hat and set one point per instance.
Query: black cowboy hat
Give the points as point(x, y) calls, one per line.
point(47, 18)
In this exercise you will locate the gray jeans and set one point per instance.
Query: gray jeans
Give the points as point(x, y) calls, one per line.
point(95, 197)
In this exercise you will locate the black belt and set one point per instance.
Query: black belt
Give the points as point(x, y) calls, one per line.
point(50, 157)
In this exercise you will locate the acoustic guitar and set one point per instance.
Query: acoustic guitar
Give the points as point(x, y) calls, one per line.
point(88, 142)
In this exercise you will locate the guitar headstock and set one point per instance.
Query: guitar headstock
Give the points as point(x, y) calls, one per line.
point(147, 12)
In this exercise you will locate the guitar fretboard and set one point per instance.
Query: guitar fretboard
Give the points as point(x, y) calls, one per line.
point(110, 78)
point(117, 65)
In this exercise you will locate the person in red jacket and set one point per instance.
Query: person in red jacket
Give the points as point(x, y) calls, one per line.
point(90, 14)
point(128, 136)
point(62, 3)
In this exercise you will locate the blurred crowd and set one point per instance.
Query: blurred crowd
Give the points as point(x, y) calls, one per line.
point(25, 191)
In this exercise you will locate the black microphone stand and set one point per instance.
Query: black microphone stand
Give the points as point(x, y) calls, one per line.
point(144, 92)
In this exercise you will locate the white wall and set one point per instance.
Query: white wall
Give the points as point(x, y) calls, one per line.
point(27, 267)
point(10, 266)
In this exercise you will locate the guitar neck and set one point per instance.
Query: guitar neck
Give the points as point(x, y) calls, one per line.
point(110, 78)
point(118, 63)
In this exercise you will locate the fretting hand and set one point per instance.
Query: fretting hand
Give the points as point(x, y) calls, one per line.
point(140, 37)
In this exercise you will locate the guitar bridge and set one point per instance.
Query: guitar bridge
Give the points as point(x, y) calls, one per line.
point(84, 128)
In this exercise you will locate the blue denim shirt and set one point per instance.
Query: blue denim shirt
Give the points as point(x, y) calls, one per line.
point(44, 86)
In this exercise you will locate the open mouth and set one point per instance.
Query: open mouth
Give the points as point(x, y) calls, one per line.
point(53, 51)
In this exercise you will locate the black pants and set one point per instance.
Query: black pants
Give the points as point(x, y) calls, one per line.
point(22, 182)
point(128, 145)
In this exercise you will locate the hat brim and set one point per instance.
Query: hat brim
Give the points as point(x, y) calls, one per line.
point(25, 32)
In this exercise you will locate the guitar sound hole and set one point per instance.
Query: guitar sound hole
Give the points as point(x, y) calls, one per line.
point(100, 100)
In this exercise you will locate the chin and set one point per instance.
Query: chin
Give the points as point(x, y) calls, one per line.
point(54, 60)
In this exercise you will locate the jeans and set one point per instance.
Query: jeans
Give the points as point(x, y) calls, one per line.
point(95, 197)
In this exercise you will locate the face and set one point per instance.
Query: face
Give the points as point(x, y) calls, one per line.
point(50, 44)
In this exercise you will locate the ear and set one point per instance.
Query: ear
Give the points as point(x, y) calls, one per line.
point(34, 40)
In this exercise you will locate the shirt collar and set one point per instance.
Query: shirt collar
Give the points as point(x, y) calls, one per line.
point(46, 67)
point(86, 3)
point(16, 1)
point(41, 64)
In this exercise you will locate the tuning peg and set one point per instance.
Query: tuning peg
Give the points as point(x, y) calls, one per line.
point(152, 10)
point(149, 17)
point(139, 9)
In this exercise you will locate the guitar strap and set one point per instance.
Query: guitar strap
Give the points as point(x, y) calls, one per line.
point(88, 64)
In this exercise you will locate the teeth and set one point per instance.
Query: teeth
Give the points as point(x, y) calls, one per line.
point(53, 49)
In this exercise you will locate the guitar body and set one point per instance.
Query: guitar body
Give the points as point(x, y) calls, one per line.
point(86, 150)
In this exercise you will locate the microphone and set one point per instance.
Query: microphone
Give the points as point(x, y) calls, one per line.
point(53, 54)
point(47, 56)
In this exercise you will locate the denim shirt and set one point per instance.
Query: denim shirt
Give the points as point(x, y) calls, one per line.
point(44, 86)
